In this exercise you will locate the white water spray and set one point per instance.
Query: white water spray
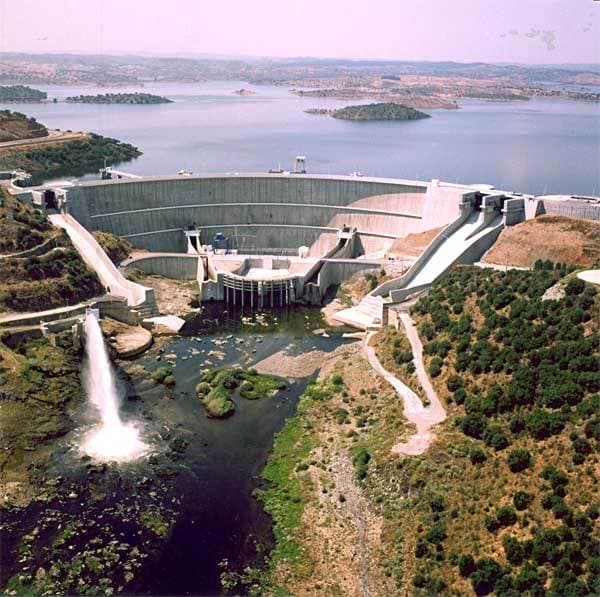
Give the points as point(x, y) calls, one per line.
point(111, 439)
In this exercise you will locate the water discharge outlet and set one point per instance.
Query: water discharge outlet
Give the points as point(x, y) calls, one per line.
point(111, 439)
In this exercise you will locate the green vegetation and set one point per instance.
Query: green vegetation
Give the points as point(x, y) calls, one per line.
point(117, 248)
point(21, 226)
point(153, 520)
point(216, 387)
point(21, 93)
point(69, 157)
point(37, 381)
point(385, 111)
point(120, 98)
point(394, 351)
point(289, 484)
point(55, 278)
point(162, 375)
point(518, 373)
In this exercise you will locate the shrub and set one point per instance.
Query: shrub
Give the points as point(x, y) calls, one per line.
point(436, 534)
point(495, 437)
point(437, 504)
point(203, 388)
point(518, 460)
point(337, 380)
point(473, 425)
point(161, 374)
point(454, 382)
point(542, 424)
point(466, 565)
point(477, 456)
point(513, 550)
point(529, 580)
point(522, 499)
point(169, 381)
point(421, 549)
point(460, 395)
point(485, 575)
point(419, 580)
point(506, 516)
point(574, 286)
point(435, 367)
point(555, 477)
point(517, 424)
point(361, 464)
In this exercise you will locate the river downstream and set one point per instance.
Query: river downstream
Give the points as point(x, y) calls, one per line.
point(173, 521)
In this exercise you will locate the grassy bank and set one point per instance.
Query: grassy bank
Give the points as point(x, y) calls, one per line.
point(329, 540)
point(37, 381)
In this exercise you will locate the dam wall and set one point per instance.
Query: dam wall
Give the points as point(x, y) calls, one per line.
point(262, 212)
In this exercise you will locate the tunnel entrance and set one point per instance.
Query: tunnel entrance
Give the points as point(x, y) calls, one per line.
point(50, 201)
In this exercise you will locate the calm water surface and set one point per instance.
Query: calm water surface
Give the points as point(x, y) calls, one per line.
point(539, 146)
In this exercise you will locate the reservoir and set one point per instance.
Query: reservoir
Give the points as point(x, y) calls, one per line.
point(540, 146)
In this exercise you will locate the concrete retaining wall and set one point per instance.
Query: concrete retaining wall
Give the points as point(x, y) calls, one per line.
point(335, 272)
point(177, 266)
point(572, 209)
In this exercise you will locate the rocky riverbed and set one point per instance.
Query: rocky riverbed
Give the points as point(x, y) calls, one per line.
point(168, 522)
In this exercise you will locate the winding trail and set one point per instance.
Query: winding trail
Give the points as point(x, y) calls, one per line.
point(423, 417)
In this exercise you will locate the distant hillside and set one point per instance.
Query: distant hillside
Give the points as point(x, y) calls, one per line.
point(120, 98)
point(15, 126)
point(559, 239)
point(386, 111)
point(19, 93)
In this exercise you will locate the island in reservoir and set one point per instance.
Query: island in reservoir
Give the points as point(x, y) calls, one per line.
point(382, 111)
point(120, 98)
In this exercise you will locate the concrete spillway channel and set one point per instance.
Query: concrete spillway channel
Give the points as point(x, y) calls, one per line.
point(463, 241)
point(111, 278)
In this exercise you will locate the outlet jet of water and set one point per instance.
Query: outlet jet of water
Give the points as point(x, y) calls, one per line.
point(111, 439)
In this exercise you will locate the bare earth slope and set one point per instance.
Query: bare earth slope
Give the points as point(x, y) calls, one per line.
point(560, 239)
point(15, 126)
point(413, 244)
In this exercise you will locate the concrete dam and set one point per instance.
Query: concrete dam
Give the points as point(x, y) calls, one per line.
point(263, 213)
point(290, 236)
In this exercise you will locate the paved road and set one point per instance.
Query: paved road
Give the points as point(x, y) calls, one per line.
point(53, 137)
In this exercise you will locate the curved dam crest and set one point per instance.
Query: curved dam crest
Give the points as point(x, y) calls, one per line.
point(263, 211)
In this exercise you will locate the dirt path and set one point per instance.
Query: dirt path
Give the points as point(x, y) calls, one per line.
point(423, 417)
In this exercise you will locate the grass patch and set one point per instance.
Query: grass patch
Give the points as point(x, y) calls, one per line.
point(285, 498)
point(217, 386)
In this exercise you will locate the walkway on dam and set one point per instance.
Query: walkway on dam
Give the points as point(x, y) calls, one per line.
point(97, 260)
point(423, 417)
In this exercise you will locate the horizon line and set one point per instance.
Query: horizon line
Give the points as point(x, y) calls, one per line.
point(225, 57)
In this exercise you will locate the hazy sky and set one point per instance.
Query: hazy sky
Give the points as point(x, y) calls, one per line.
point(464, 30)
